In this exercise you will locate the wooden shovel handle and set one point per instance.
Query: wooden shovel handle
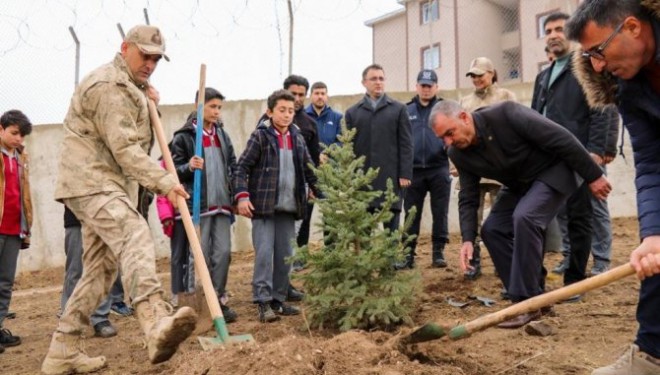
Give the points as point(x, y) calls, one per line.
point(550, 298)
point(198, 256)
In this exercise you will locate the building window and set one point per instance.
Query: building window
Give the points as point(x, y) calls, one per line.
point(431, 57)
point(430, 11)
point(540, 20)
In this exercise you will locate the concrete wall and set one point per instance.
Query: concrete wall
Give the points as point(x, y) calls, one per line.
point(240, 118)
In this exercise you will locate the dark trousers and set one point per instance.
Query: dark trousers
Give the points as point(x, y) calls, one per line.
point(513, 234)
point(179, 266)
point(303, 232)
point(578, 215)
point(648, 316)
point(9, 248)
point(437, 182)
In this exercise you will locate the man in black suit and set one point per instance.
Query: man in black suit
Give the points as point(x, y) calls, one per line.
point(536, 160)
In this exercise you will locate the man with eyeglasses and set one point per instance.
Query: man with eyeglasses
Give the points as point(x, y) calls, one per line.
point(621, 65)
point(557, 95)
point(383, 137)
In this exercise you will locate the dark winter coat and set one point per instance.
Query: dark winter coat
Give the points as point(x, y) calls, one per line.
point(257, 171)
point(429, 150)
point(639, 107)
point(565, 103)
point(384, 138)
point(183, 149)
point(517, 146)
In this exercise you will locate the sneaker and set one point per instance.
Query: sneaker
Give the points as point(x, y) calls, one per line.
point(229, 314)
point(104, 329)
point(121, 309)
point(561, 267)
point(633, 361)
point(599, 268)
point(281, 309)
point(7, 339)
point(294, 295)
point(266, 314)
point(10, 315)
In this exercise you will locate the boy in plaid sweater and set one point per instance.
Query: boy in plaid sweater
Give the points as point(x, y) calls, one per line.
point(269, 185)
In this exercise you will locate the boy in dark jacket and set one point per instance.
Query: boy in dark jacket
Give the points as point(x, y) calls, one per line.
point(269, 183)
point(217, 162)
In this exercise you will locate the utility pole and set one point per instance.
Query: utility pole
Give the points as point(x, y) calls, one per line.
point(146, 16)
point(290, 6)
point(75, 39)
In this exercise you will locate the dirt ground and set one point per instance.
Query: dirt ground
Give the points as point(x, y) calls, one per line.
point(587, 334)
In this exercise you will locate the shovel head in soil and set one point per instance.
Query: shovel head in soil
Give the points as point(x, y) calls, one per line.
point(434, 331)
point(212, 343)
point(197, 301)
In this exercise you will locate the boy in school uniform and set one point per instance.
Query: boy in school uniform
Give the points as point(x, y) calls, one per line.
point(15, 209)
point(217, 161)
point(269, 183)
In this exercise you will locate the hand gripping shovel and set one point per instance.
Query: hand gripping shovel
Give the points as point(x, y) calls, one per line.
point(219, 323)
point(434, 331)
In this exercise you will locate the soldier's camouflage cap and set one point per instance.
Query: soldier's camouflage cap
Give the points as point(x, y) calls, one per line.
point(148, 39)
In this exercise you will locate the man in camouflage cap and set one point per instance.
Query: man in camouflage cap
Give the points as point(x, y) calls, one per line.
point(104, 157)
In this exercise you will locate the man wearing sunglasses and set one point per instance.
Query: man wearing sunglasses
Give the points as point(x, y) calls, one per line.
point(621, 64)
point(558, 96)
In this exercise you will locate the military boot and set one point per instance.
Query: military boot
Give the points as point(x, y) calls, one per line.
point(475, 263)
point(438, 255)
point(163, 329)
point(67, 356)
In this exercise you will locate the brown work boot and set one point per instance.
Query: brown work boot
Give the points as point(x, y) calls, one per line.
point(66, 355)
point(164, 331)
point(632, 362)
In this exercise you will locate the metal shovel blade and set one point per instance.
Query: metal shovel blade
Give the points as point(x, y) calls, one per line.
point(427, 332)
point(223, 338)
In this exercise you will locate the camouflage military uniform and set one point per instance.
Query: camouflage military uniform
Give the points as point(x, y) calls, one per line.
point(104, 157)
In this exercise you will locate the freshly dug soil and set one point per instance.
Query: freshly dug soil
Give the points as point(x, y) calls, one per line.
point(587, 335)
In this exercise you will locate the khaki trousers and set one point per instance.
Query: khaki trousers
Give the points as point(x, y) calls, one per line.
point(114, 235)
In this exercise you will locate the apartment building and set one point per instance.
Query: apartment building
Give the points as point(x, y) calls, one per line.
point(445, 35)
